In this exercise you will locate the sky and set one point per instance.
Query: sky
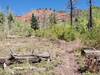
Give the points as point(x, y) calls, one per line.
point(21, 7)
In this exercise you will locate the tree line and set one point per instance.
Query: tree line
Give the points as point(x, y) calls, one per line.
point(71, 6)
point(52, 17)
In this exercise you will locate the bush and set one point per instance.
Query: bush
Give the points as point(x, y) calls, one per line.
point(91, 39)
point(22, 29)
point(57, 32)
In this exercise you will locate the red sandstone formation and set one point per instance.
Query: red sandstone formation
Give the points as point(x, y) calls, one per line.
point(41, 14)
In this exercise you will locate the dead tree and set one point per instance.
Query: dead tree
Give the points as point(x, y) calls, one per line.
point(71, 12)
point(90, 22)
point(71, 7)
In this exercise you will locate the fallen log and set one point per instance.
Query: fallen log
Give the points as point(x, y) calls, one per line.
point(42, 55)
point(33, 68)
point(30, 57)
point(19, 58)
point(90, 51)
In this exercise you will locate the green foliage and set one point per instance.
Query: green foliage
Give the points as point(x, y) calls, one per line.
point(22, 29)
point(2, 18)
point(69, 35)
point(57, 32)
point(92, 38)
point(10, 18)
point(34, 23)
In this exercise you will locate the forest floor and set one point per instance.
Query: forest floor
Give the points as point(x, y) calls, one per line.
point(57, 48)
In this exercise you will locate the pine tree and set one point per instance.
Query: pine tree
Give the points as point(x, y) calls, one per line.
point(10, 20)
point(34, 23)
point(2, 18)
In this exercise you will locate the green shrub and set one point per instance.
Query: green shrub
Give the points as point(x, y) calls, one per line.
point(92, 38)
point(22, 29)
point(57, 32)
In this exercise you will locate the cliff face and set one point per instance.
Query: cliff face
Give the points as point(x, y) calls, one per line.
point(42, 14)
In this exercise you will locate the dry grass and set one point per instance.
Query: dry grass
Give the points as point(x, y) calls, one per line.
point(25, 45)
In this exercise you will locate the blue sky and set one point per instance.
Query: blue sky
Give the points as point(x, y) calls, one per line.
point(20, 7)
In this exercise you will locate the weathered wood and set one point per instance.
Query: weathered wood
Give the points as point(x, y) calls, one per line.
point(33, 68)
point(43, 55)
point(30, 56)
point(22, 58)
point(3, 59)
point(18, 58)
point(91, 51)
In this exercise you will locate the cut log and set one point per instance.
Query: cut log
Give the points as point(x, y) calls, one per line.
point(36, 58)
point(92, 52)
point(33, 68)
point(18, 58)
point(22, 58)
point(42, 55)
point(45, 55)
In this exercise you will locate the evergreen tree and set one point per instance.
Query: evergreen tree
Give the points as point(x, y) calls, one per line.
point(2, 18)
point(10, 20)
point(2, 21)
point(34, 23)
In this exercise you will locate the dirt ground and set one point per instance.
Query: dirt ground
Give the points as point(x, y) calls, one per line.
point(69, 66)
point(65, 51)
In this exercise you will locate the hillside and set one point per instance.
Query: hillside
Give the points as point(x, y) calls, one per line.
point(43, 13)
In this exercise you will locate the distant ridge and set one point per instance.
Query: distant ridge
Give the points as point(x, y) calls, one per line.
point(41, 13)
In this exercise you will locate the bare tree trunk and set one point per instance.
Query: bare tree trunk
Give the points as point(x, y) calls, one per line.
point(90, 24)
point(71, 12)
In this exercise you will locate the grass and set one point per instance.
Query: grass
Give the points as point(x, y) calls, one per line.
point(26, 45)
